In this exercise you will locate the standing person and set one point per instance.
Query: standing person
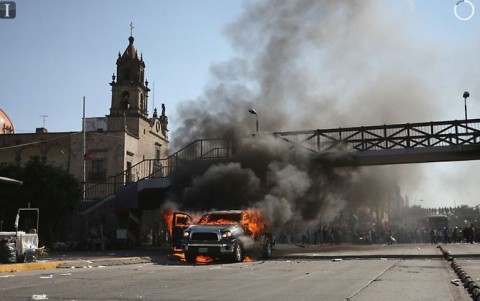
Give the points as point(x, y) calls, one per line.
point(456, 235)
point(439, 235)
point(389, 236)
point(445, 235)
point(433, 236)
point(471, 232)
point(466, 236)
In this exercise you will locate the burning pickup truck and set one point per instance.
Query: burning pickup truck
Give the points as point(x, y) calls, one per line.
point(229, 235)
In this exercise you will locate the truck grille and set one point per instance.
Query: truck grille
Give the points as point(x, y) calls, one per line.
point(204, 236)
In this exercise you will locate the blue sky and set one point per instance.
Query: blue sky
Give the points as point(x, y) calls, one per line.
point(55, 52)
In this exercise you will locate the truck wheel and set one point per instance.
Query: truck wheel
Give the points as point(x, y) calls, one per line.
point(267, 252)
point(190, 258)
point(237, 253)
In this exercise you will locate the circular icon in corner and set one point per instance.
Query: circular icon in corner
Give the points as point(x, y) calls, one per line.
point(472, 10)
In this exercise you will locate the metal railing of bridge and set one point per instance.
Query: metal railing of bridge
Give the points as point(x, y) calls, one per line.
point(203, 149)
point(387, 137)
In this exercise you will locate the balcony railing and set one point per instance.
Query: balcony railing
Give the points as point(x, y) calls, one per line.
point(205, 149)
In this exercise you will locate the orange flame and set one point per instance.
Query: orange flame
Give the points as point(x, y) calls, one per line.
point(202, 259)
point(168, 217)
point(180, 256)
point(254, 221)
point(218, 222)
point(247, 259)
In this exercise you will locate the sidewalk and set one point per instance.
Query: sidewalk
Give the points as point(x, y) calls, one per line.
point(78, 259)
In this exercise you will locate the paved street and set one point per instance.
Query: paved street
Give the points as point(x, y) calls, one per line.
point(272, 280)
point(369, 272)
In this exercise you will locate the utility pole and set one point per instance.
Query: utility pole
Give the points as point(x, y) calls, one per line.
point(84, 184)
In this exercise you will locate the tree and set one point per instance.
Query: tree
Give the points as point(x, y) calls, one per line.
point(54, 191)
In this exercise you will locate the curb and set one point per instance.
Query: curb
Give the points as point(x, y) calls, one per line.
point(471, 286)
point(14, 267)
point(102, 262)
point(72, 264)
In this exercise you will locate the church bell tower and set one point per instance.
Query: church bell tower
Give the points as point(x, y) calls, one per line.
point(129, 90)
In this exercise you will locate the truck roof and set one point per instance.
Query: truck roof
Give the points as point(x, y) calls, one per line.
point(225, 212)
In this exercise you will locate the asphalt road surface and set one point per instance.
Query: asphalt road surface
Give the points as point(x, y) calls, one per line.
point(285, 279)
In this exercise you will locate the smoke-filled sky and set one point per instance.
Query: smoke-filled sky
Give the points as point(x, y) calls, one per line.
point(302, 64)
point(317, 64)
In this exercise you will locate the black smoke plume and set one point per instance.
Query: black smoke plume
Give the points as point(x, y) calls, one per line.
point(302, 64)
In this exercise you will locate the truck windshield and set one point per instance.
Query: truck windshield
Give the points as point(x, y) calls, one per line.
point(224, 218)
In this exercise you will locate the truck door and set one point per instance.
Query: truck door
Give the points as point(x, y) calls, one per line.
point(180, 222)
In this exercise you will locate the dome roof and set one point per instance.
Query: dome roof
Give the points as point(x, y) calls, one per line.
point(130, 52)
point(6, 125)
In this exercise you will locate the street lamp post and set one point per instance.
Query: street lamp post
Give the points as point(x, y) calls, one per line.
point(252, 111)
point(465, 96)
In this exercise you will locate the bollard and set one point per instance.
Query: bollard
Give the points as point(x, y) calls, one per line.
point(475, 293)
point(471, 286)
point(467, 281)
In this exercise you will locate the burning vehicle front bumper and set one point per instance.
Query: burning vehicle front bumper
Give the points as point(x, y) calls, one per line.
point(211, 249)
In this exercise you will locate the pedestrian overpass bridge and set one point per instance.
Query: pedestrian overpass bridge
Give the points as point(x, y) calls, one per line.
point(392, 144)
point(423, 142)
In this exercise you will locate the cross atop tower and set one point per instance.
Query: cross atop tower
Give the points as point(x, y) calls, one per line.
point(131, 29)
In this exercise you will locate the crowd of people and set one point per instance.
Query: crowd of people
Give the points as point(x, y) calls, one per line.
point(457, 235)
point(335, 235)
